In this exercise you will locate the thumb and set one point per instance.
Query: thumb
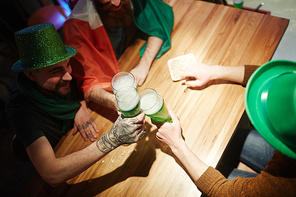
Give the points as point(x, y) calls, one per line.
point(140, 82)
point(140, 117)
point(195, 83)
point(173, 116)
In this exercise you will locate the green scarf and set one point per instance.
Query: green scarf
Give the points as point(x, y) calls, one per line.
point(58, 108)
point(155, 18)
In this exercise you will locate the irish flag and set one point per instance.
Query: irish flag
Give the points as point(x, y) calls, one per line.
point(95, 63)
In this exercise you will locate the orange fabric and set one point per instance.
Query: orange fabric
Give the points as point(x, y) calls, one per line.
point(95, 63)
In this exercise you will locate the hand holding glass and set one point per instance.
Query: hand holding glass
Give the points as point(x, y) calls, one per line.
point(128, 101)
point(152, 104)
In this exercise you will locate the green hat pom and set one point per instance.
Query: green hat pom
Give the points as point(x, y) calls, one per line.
point(40, 46)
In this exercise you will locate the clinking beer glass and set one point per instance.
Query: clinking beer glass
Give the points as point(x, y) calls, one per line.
point(152, 104)
point(128, 101)
point(122, 80)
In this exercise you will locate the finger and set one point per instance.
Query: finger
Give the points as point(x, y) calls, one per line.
point(173, 116)
point(89, 129)
point(143, 125)
point(82, 132)
point(195, 83)
point(141, 133)
point(187, 72)
point(141, 117)
point(141, 81)
point(83, 135)
point(138, 119)
point(75, 130)
point(90, 124)
point(138, 127)
point(94, 125)
point(138, 80)
point(158, 135)
point(89, 134)
point(93, 132)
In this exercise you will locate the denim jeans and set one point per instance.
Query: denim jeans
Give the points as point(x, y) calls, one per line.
point(256, 153)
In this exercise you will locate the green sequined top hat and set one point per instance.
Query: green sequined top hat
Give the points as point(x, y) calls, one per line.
point(40, 46)
point(270, 100)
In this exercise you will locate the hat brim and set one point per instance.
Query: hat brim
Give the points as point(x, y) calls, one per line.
point(259, 82)
point(71, 51)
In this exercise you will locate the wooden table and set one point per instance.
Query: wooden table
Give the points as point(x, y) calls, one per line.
point(215, 34)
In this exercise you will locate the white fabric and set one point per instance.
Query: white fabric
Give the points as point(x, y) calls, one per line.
point(85, 11)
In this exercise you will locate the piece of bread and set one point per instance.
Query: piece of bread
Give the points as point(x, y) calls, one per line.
point(178, 64)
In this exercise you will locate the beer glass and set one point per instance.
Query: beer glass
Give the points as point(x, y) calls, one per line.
point(128, 101)
point(122, 80)
point(152, 104)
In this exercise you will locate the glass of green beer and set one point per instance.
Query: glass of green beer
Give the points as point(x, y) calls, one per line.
point(122, 80)
point(128, 101)
point(152, 104)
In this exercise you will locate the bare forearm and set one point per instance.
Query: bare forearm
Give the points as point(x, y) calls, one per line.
point(104, 98)
point(142, 69)
point(57, 170)
point(123, 131)
point(73, 164)
point(230, 73)
point(69, 166)
point(152, 48)
point(193, 165)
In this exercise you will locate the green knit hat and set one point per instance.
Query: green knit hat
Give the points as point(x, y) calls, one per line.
point(270, 101)
point(40, 46)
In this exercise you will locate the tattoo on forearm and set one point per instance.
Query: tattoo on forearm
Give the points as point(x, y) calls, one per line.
point(104, 144)
point(121, 132)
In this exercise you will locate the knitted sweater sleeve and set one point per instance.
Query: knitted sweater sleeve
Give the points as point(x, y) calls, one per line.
point(213, 183)
point(249, 70)
point(278, 179)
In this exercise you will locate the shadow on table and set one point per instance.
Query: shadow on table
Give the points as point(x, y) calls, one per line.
point(145, 152)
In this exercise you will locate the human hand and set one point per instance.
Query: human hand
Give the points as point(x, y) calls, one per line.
point(170, 133)
point(140, 73)
point(84, 123)
point(124, 131)
point(198, 75)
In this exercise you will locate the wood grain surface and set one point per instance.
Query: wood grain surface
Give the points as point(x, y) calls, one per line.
point(215, 34)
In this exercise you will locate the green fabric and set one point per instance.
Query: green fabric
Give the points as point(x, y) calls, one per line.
point(58, 108)
point(155, 18)
point(40, 46)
